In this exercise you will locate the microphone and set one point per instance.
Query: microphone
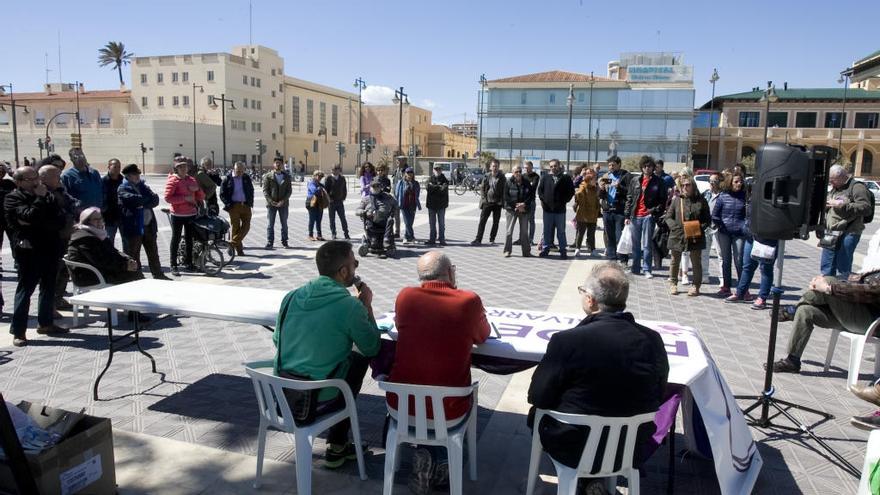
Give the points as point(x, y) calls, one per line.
point(357, 282)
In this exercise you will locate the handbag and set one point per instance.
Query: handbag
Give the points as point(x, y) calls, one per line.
point(763, 252)
point(693, 232)
point(830, 240)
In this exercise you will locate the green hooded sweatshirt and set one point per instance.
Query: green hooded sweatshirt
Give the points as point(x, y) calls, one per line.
point(316, 327)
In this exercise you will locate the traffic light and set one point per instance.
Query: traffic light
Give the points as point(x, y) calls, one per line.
point(338, 147)
point(143, 148)
point(259, 146)
point(76, 140)
point(40, 143)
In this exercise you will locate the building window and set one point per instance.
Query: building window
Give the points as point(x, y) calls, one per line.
point(175, 77)
point(210, 76)
point(160, 78)
point(104, 117)
point(274, 137)
point(186, 101)
point(334, 119)
point(750, 119)
point(161, 101)
point(259, 104)
point(281, 129)
point(273, 93)
point(866, 120)
point(244, 80)
point(805, 119)
point(144, 101)
point(273, 115)
point(522, 98)
point(39, 118)
point(253, 81)
point(323, 114)
point(143, 79)
point(245, 103)
point(273, 72)
point(310, 116)
point(210, 100)
point(832, 120)
point(184, 76)
point(294, 111)
point(175, 101)
point(258, 82)
point(280, 108)
point(777, 119)
point(552, 98)
point(581, 97)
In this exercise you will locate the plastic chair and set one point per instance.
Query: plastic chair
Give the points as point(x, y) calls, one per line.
point(270, 399)
point(568, 476)
point(414, 428)
point(856, 349)
point(872, 455)
point(73, 265)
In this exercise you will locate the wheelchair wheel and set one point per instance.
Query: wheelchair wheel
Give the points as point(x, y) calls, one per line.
point(364, 249)
point(212, 260)
point(223, 246)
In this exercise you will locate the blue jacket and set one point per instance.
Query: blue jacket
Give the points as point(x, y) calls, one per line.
point(86, 186)
point(729, 213)
point(134, 200)
point(401, 188)
point(228, 186)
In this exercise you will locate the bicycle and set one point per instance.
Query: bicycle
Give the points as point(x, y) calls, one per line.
point(469, 183)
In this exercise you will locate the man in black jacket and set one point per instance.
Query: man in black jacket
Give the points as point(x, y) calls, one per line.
point(50, 176)
point(237, 194)
point(533, 178)
point(555, 190)
point(518, 193)
point(645, 203)
point(110, 209)
point(337, 190)
point(437, 187)
point(491, 200)
point(608, 365)
point(35, 220)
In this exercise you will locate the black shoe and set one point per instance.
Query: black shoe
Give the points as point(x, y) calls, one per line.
point(563, 255)
point(430, 244)
point(542, 254)
point(160, 276)
point(442, 243)
point(175, 271)
point(63, 305)
point(52, 329)
point(869, 422)
point(347, 238)
point(269, 247)
point(284, 245)
point(785, 365)
point(240, 252)
point(475, 242)
point(334, 459)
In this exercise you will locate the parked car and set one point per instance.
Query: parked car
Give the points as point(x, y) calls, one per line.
point(702, 181)
point(872, 186)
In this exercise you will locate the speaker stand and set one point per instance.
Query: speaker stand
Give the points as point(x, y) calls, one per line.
point(766, 399)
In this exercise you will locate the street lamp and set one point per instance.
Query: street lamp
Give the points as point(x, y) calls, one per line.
point(844, 79)
point(768, 98)
point(590, 119)
point(712, 80)
point(360, 85)
point(483, 83)
point(400, 98)
point(223, 101)
point(201, 90)
point(14, 123)
point(570, 101)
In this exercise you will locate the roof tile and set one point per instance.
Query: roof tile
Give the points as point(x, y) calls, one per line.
point(551, 76)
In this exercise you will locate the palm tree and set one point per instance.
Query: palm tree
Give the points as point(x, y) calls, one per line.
point(114, 53)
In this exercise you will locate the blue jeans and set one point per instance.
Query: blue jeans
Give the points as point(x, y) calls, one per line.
point(554, 221)
point(749, 266)
point(270, 229)
point(437, 218)
point(337, 208)
point(613, 223)
point(315, 216)
point(409, 216)
point(839, 262)
point(643, 234)
point(731, 247)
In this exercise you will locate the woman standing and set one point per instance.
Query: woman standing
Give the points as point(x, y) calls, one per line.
point(586, 209)
point(316, 201)
point(407, 194)
point(366, 174)
point(687, 237)
point(183, 193)
point(729, 217)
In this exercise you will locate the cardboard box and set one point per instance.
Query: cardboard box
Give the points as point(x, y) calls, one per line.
point(82, 463)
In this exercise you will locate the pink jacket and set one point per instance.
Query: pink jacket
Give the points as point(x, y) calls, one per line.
point(176, 191)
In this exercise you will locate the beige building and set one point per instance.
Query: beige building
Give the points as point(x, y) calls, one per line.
point(382, 122)
point(469, 129)
point(866, 72)
point(444, 142)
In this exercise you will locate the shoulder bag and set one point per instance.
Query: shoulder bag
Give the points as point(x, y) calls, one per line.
point(693, 232)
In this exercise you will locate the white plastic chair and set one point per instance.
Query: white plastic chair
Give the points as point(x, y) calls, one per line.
point(270, 399)
point(71, 266)
point(568, 476)
point(872, 455)
point(857, 344)
point(405, 427)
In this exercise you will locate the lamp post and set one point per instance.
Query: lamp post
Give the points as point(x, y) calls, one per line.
point(52, 120)
point(590, 119)
point(768, 98)
point(844, 79)
point(511, 148)
point(400, 98)
point(570, 102)
point(483, 84)
point(201, 90)
point(14, 122)
point(360, 85)
point(712, 80)
point(223, 101)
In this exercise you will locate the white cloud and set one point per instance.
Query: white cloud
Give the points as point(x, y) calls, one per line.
point(378, 95)
point(429, 104)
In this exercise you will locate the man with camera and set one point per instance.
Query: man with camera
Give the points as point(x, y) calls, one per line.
point(848, 203)
point(612, 195)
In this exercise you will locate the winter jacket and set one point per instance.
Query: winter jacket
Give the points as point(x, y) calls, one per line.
point(729, 213)
point(228, 187)
point(110, 210)
point(86, 186)
point(437, 187)
point(70, 209)
point(586, 203)
point(134, 201)
point(518, 193)
point(336, 188)
point(176, 191)
point(84, 247)
point(35, 222)
point(534, 178)
point(695, 208)
point(273, 191)
point(655, 195)
point(849, 218)
point(316, 327)
point(6, 187)
point(555, 192)
point(489, 195)
point(402, 187)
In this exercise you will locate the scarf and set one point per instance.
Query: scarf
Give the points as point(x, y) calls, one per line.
point(101, 234)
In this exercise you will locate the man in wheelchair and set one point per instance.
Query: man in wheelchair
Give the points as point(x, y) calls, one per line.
point(378, 211)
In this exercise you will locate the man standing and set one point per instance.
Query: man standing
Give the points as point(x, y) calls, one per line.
point(35, 220)
point(434, 348)
point(209, 180)
point(645, 202)
point(7, 185)
point(138, 225)
point(517, 194)
point(848, 203)
point(612, 195)
point(437, 187)
point(573, 376)
point(533, 178)
point(667, 179)
point(337, 190)
point(491, 200)
point(277, 190)
point(317, 325)
point(408, 198)
point(110, 185)
point(555, 191)
point(69, 207)
point(399, 174)
point(237, 194)
point(83, 182)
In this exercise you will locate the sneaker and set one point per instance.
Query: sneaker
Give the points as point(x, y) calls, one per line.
point(759, 303)
point(52, 329)
point(542, 254)
point(785, 365)
point(19, 341)
point(786, 312)
point(648, 275)
point(285, 245)
point(733, 298)
point(422, 472)
point(577, 252)
point(335, 458)
point(475, 242)
point(507, 254)
point(269, 247)
point(175, 271)
point(673, 289)
point(722, 292)
point(869, 422)
point(747, 297)
point(694, 292)
point(686, 281)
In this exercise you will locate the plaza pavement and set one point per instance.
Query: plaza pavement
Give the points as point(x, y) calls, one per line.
point(196, 431)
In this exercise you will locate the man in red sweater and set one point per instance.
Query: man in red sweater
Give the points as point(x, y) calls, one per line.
point(438, 325)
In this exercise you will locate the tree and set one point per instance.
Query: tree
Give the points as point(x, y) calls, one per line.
point(114, 54)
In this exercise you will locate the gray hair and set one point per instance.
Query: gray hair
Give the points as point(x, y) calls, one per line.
point(838, 171)
point(205, 161)
point(608, 285)
point(239, 163)
point(434, 265)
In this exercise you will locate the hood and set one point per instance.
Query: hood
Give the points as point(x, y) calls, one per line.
point(318, 293)
point(80, 235)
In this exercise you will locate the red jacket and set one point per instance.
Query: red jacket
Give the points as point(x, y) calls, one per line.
point(437, 327)
point(176, 190)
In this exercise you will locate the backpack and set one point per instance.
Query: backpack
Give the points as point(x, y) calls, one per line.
point(381, 211)
point(869, 217)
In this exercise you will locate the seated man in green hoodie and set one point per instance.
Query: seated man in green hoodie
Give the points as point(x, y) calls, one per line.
point(316, 327)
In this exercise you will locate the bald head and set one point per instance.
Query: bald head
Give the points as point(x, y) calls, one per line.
point(50, 176)
point(434, 265)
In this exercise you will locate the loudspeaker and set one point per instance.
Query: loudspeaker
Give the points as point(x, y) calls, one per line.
point(788, 195)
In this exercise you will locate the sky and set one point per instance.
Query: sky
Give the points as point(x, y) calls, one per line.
point(437, 50)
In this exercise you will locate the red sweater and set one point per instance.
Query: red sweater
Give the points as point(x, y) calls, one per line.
point(437, 327)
